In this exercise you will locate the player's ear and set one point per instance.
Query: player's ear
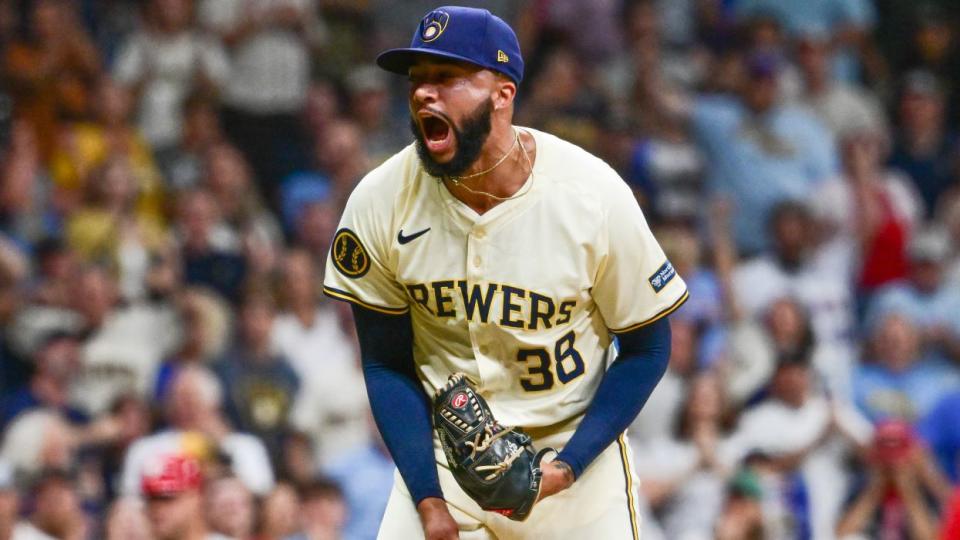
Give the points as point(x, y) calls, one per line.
point(503, 93)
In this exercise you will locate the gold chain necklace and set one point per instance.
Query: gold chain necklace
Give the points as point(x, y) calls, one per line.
point(457, 180)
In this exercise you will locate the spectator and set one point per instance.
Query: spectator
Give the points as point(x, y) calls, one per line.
point(205, 326)
point(823, 290)
point(805, 435)
point(840, 105)
point(38, 440)
point(868, 215)
point(172, 487)
point(742, 517)
point(660, 414)
point(368, 97)
point(341, 155)
point(261, 387)
point(56, 511)
point(759, 151)
point(55, 266)
point(269, 43)
point(183, 166)
point(897, 499)
point(310, 335)
point(126, 520)
point(28, 209)
point(651, 46)
point(229, 181)
point(125, 341)
point(897, 381)
point(361, 474)
point(163, 63)
point(705, 308)
point(683, 475)
point(925, 298)
point(109, 229)
point(567, 17)
point(196, 425)
point(925, 147)
point(754, 346)
point(210, 250)
point(561, 101)
point(314, 230)
point(933, 47)
point(323, 511)
point(280, 513)
point(108, 439)
point(84, 147)
point(56, 366)
point(848, 20)
point(51, 70)
point(230, 508)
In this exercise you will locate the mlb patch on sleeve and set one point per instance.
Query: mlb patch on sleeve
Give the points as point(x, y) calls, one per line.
point(662, 276)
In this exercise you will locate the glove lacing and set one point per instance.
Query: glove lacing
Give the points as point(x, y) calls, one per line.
point(483, 441)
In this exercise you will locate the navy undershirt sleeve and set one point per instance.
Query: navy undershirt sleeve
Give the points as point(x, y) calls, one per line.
point(400, 406)
point(644, 355)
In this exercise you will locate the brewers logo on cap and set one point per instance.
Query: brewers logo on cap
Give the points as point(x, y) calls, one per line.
point(433, 25)
point(348, 254)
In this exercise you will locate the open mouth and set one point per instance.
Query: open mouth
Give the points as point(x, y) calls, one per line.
point(437, 133)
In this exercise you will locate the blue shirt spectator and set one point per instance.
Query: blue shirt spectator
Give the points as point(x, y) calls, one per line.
point(928, 300)
point(908, 394)
point(832, 16)
point(761, 159)
point(901, 383)
point(365, 477)
point(796, 15)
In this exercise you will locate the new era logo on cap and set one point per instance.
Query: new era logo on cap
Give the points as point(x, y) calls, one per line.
point(460, 34)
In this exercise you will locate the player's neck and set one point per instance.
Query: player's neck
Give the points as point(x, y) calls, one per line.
point(506, 179)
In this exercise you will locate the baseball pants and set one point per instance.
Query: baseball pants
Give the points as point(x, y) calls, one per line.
point(602, 503)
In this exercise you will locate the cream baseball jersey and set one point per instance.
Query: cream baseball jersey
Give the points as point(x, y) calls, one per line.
point(522, 298)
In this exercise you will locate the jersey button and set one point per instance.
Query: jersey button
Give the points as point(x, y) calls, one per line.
point(477, 261)
point(484, 349)
point(479, 234)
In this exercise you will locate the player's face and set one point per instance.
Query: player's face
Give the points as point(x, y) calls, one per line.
point(450, 107)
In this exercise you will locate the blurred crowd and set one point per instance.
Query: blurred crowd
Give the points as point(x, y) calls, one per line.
point(173, 171)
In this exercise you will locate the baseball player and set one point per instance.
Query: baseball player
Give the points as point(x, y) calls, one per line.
point(517, 259)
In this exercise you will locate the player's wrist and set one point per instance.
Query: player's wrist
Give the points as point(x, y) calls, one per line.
point(571, 464)
point(431, 506)
point(565, 470)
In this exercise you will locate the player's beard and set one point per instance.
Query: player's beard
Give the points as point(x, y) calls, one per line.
point(470, 137)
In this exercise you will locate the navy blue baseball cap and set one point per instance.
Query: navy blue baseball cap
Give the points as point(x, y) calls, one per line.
point(460, 33)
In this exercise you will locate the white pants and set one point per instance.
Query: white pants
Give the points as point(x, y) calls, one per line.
point(602, 503)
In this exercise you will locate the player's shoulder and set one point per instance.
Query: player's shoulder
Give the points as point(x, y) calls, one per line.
point(576, 170)
point(380, 187)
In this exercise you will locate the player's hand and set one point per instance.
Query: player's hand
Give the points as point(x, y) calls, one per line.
point(437, 522)
point(557, 477)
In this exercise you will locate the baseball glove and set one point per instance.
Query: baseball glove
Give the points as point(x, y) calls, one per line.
point(496, 466)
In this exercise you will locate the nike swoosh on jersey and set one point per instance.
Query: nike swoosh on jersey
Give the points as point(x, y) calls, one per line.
point(407, 239)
